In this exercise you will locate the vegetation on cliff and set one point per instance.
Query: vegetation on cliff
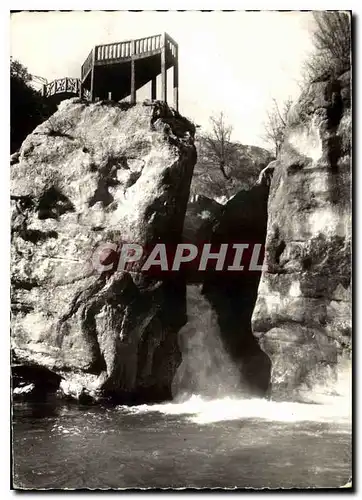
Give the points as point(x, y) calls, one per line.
point(28, 108)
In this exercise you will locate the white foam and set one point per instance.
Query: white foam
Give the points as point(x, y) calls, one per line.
point(203, 411)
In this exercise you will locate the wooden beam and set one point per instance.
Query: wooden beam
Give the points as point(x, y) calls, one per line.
point(133, 74)
point(92, 79)
point(175, 83)
point(163, 69)
point(153, 89)
point(80, 89)
point(133, 82)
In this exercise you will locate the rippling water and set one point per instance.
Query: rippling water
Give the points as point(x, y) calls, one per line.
point(221, 443)
point(202, 443)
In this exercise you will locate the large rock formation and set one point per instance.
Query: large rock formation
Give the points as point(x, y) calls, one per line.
point(302, 315)
point(93, 174)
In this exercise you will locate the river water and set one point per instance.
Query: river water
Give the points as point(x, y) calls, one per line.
point(213, 438)
point(221, 443)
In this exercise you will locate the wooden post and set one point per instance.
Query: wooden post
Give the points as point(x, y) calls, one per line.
point(175, 81)
point(133, 74)
point(92, 79)
point(44, 91)
point(163, 69)
point(80, 89)
point(109, 96)
point(153, 89)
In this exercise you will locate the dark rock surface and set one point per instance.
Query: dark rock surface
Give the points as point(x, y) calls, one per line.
point(201, 216)
point(232, 295)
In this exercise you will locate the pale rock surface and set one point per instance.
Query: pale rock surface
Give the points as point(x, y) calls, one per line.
point(302, 316)
point(93, 174)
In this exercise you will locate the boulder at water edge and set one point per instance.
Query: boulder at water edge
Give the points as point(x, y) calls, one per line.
point(93, 174)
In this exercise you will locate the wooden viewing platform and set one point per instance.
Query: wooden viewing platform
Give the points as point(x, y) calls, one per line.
point(116, 70)
point(120, 69)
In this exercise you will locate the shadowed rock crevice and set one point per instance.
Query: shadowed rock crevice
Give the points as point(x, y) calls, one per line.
point(220, 355)
point(233, 295)
point(52, 204)
point(35, 236)
point(33, 381)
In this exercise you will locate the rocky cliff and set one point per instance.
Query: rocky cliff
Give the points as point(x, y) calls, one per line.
point(302, 316)
point(93, 174)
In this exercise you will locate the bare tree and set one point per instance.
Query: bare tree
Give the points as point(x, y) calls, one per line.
point(219, 143)
point(332, 42)
point(274, 126)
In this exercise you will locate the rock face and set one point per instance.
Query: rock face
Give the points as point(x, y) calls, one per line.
point(94, 174)
point(302, 316)
point(232, 295)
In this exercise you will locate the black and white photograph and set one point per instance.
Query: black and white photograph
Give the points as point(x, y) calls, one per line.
point(180, 250)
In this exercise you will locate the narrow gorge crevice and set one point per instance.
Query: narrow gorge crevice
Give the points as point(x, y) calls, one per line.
point(232, 295)
point(220, 355)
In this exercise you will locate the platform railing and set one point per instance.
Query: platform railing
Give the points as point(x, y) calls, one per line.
point(171, 45)
point(126, 49)
point(87, 65)
point(113, 51)
point(148, 44)
point(62, 86)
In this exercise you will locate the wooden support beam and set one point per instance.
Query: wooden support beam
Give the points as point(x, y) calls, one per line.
point(153, 89)
point(133, 74)
point(92, 85)
point(80, 89)
point(92, 79)
point(175, 83)
point(163, 70)
point(133, 82)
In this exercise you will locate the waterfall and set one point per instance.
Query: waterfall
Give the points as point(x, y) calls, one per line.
point(208, 386)
point(206, 369)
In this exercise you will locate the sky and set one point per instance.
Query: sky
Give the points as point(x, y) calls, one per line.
point(234, 62)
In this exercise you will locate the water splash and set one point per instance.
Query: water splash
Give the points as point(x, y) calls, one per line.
point(203, 411)
point(208, 387)
point(331, 409)
point(206, 368)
